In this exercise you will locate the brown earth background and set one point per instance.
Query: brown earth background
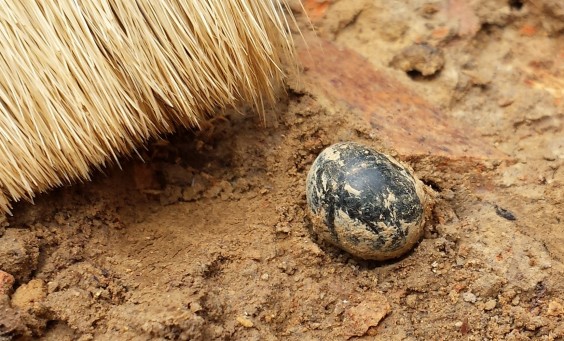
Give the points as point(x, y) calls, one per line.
point(209, 238)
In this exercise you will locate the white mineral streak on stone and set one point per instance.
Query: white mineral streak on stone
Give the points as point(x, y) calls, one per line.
point(347, 230)
point(390, 199)
point(324, 181)
point(357, 239)
point(352, 190)
point(332, 154)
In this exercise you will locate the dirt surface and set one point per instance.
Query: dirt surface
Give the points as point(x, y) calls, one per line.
point(210, 239)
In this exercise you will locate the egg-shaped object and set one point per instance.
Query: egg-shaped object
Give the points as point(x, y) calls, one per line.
point(365, 202)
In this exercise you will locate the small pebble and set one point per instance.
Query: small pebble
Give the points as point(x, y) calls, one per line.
point(411, 300)
point(367, 314)
point(6, 282)
point(195, 307)
point(29, 294)
point(555, 308)
point(365, 202)
point(245, 322)
point(52, 286)
point(490, 305)
point(422, 58)
point(282, 228)
point(469, 297)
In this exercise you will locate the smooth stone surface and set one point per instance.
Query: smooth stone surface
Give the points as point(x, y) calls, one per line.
point(365, 202)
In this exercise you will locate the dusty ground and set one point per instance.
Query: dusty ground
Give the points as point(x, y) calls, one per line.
point(210, 240)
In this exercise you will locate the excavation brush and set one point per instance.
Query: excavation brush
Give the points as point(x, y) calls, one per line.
point(85, 82)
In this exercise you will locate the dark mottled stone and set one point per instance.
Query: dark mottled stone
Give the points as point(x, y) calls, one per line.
point(366, 202)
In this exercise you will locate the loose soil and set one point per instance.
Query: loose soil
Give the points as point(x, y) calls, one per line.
point(209, 238)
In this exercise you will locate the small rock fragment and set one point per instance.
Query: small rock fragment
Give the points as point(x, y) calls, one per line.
point(245, 322)
point(453, 295)
point(282, 228)
point(10, 320)
point(6, 283)
point(359, 319)
point(411, 300)
point(469, 297)
point(195, 307)
point(422, 58)
point(490, 305)
point(555, 308)
point(19, 253)
point(28, 294)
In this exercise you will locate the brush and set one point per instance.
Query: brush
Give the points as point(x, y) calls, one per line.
point(83, 83)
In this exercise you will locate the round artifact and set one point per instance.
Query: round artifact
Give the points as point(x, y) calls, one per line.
point(365, 202)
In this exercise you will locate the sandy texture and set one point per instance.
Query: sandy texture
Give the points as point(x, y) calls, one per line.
point(209, 239)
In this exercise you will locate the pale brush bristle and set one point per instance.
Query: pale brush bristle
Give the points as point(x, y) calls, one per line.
point(83, 82)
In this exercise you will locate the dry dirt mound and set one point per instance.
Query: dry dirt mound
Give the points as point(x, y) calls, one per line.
point(209, 239)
